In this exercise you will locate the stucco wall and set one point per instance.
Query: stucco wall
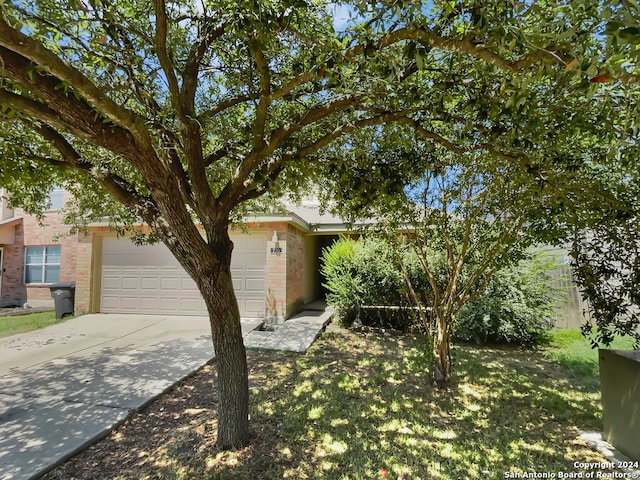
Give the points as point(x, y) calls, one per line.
point(276, 270)
point(295, 270)
point(311, 266)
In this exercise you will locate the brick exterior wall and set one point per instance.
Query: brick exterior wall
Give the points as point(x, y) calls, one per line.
point(33, 233)
point(48, 234)
point(276, 271)
point(13, 289)
point(85, 273)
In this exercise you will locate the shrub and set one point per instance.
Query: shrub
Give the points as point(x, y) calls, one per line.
point(366, 272)
point(517, 306)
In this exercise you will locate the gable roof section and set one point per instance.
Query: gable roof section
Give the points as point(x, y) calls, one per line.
point(8, 230)
point(310, 218)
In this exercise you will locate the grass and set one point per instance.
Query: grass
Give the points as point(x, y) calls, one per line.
point(569, 348)
point(361, 406)
point(14, 324)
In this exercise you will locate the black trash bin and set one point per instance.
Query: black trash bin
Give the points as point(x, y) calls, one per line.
point(64, 294)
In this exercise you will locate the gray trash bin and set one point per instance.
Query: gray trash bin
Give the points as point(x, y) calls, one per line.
point(64, 294)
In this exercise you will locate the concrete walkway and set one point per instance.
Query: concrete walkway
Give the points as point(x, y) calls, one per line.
point(65, 386)
point(295, 335)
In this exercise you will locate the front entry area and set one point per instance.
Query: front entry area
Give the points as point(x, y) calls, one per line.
point(148, 279)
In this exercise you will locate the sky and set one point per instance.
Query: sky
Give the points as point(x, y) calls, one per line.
point(340, 16)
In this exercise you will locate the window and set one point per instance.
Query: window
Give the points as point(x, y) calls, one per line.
point(42, 264)
point(56, 198)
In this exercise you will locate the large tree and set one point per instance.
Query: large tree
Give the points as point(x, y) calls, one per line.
point(184, 111)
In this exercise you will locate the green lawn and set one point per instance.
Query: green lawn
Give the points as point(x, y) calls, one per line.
point(569, 348)
point(362, 406)
point(26, 323)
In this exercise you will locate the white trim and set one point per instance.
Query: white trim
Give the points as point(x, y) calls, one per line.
point(288, 218)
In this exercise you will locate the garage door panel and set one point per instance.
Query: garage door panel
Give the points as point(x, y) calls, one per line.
point(147, 269)
point(169, 283)
point(188, 305)
point(130, 283)
point(254, 285)
point(188, 285)
point(254, 308)
point(110, 303)
point(171, 305)
point(150, 283)
point(254, 242)
point(148, 304)
point(237, 262)
point(148, 279)
point(111, 282)
point(130, 304)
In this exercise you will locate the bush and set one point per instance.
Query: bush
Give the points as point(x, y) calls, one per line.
point(366, 272)
point(517, 306)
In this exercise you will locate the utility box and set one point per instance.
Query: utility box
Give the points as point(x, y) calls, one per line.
point(64, 294)
point(620, 386)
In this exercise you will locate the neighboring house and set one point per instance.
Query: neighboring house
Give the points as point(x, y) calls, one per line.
point(34, 254)
point(275, 265)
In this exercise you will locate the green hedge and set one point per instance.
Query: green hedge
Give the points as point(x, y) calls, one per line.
point(366, 272)
point(517, 306)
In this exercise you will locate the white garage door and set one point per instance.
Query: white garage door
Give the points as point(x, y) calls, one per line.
point(148, 279)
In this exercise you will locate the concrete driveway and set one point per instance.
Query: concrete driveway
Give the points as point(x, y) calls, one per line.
point(66, 385)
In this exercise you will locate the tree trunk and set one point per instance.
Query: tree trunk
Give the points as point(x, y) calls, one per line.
point(441, 350)
point(231, 359)
point(231, 363)
point(208, 262)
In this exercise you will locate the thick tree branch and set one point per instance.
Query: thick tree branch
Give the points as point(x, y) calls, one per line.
point(73, 124)
point(160, 42)
point(120, 188)
point(464, 45)
point(225, 105)
point(251, 162)
point(196, 189)
point(218, 155)
point(33, 50)
point(63, 111)
point(194, 63)
point(272, 169)
point(264, 99)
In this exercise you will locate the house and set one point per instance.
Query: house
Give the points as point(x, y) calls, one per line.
point(33, 253)
point(275, 266)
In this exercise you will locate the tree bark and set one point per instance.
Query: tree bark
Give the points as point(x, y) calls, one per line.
point(207, 259)
point(212, 274)
point(231, 360)
point(441, 350)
